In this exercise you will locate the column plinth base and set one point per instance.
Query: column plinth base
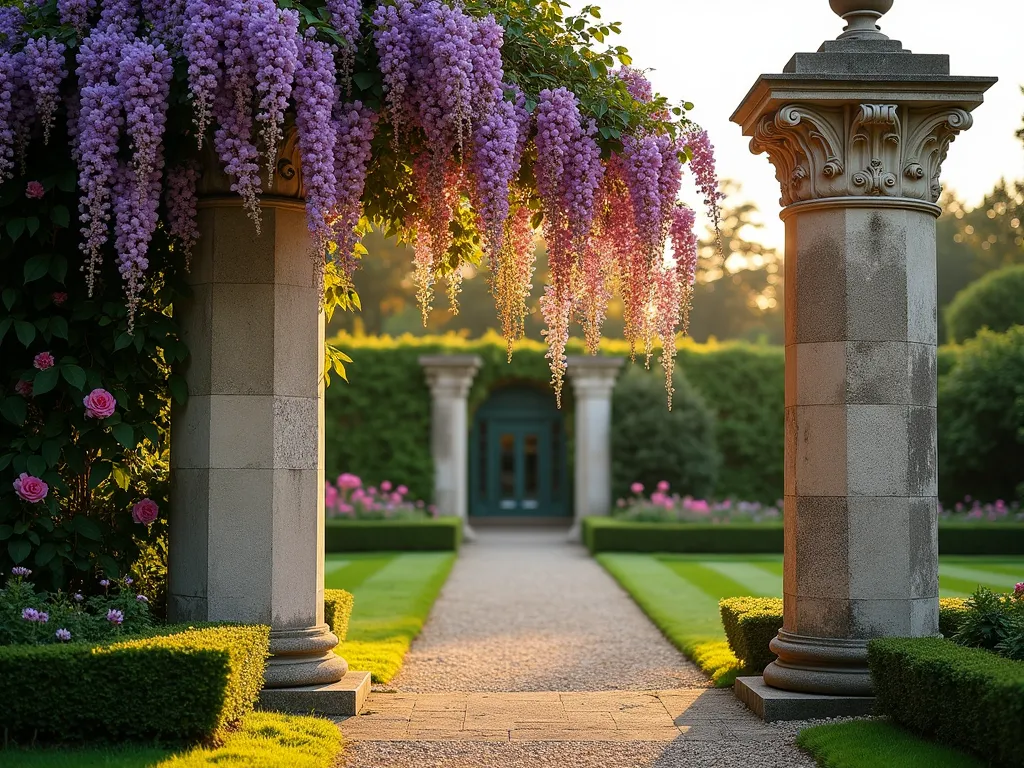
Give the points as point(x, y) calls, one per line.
point(303, 657)
point(825, 665)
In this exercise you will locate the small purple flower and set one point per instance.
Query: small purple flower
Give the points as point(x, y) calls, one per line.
point(128, 581)
point(63, 635)
point(43, 617)
point(79, 597)
point(20, 570)
point(115, 616)
point(104, 583)
point(30, 614)
point(142, 598)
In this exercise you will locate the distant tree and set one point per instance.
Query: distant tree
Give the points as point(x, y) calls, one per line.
point(996, 302)
point(739, 292)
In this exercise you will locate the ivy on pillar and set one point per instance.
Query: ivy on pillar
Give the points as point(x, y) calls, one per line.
point(593, 379)
point(449, 378)
point(858, 133)
point(247, 471)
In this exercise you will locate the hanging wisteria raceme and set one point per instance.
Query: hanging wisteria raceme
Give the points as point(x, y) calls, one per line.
point(123, 14)
point(167, 18)
point(345, 18)
point(703, 168)
point(8, 94)
point(201, 45)
point(45, 71)
point(274, 37)
point(512, 280)
point(393, 39)
point(315, 96)
point(135, 219)
point(144, 80)
point(637, 84)
point(12, 23)
point(182, 203)
point(99, 133)
point(354, 127)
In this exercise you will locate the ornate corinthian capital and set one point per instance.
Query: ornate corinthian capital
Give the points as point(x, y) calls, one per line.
point(858, 150)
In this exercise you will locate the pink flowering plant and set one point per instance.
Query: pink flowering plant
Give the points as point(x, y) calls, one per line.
point(348, 497)
point(661, 504)
point(35, 617)
point(971, 510)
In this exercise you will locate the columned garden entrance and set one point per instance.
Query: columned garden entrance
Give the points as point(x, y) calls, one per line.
point(518, 466)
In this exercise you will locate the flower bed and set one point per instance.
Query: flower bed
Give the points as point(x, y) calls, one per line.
point(349, 498)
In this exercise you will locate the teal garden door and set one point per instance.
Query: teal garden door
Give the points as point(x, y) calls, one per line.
point(518, 457)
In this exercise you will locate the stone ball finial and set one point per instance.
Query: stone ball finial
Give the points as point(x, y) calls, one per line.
point(861, 17)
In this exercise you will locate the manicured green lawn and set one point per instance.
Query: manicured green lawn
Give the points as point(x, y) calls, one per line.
point(394, 593)
point(680, 593)
point(265, 739)
point(866, 744)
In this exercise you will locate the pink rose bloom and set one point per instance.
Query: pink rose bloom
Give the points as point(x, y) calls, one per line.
point(99, 404)
point(145, 512)
point(371, 491)
point(1019, 589)
point(396, 498)
point(346, 509)
point(30, 488)
point(59, 298)
point(330, 495)
point(34, 190)
point(637, 488)
point(657, 497)
point(43, 360)
point(23, 388)
point(401, 490)
point(348, 481)
point(386, 486)
point(663, 486)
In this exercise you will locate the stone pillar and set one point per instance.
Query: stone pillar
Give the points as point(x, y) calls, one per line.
point(593, 379)
point(449, 378)
point(857, 133)
point(247, 472)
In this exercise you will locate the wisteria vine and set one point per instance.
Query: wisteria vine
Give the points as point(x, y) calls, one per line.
point(438, 108)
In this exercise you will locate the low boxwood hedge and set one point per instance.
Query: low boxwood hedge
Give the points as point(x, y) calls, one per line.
point(750, 624)
point(965, 697)
point(337, 611)
point(437, 534)
point(179, 687)
point(607, 534)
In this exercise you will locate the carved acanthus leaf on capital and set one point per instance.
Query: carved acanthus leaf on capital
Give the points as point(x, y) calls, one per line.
point(286, 180)
point(859, 150)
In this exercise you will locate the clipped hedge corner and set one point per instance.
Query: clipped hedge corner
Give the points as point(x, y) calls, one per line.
point(750, 624)
point(965, 697)
point(337, 611)
point(440, 534)
point(179, 688)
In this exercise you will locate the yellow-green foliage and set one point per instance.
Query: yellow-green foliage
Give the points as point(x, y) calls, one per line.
point(184, 686)
point(750, 624)
point(716, 659)
point(379, 423)
point(951, 613)
point(337, 611)
point(269, 740)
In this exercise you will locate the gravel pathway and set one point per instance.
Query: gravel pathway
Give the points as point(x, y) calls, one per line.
point(526, 611)
point(510, 669)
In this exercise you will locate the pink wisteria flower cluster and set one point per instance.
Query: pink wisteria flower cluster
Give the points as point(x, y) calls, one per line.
point(349, 497)
point(662, 505)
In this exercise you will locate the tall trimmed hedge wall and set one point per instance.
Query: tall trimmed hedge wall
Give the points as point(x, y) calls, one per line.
point(378, 424)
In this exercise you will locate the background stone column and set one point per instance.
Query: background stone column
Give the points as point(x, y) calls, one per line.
point(247, 472)
point(449, 378)
point(593, 379)
point(857, 133)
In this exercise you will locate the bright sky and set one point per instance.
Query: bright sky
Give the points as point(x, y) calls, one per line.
point(711, 51)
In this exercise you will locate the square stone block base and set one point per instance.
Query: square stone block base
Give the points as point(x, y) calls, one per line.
point(345, 697)
point(771, 704)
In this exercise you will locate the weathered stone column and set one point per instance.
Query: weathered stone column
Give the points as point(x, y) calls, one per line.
point(449, 378)
point(857, 133)
point(593, 379)
point(247, 472)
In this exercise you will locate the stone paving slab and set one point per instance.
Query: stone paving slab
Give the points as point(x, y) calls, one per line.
point(624, 716)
